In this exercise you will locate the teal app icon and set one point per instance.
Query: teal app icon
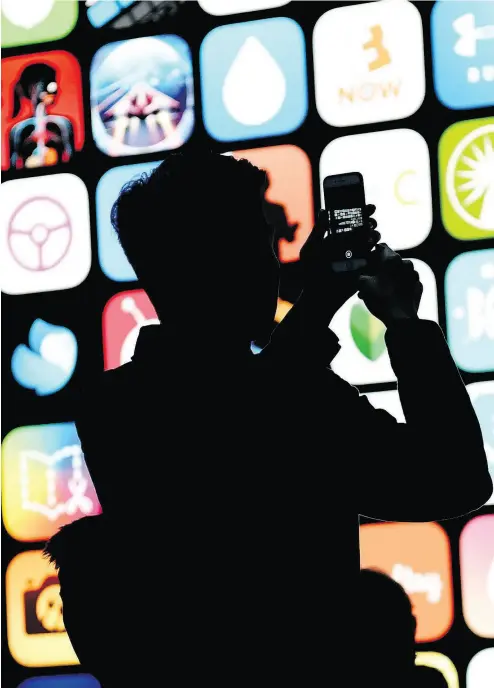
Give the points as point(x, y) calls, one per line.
point(469, 294)
point(48, 363)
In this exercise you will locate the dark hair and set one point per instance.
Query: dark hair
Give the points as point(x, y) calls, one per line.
point(197, 202)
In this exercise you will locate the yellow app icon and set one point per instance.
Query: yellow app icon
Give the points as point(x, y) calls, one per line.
point(441, 664)
point(35, 630)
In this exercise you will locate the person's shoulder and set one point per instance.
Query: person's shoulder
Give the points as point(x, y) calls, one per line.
point(98, 389)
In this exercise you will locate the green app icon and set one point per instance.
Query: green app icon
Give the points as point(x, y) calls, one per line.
point(25, 22)
point(367, 332)
point(466, 178)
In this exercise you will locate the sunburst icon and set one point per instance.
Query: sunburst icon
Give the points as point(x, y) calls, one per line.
point(470, 178)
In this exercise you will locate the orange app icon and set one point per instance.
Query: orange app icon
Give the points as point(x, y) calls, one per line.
point(290, 205)
point(124, 315)
point(418, 557)
point(35, 629)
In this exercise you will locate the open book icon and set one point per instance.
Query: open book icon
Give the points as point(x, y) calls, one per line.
point(55, 484)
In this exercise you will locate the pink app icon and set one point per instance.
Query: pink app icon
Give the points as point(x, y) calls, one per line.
point(477, 574)
point(124, 315)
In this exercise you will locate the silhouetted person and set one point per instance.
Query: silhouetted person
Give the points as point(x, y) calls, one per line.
point(385, 632)
point(229, 481)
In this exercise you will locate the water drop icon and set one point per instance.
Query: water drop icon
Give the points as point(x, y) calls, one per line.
point(254, 89)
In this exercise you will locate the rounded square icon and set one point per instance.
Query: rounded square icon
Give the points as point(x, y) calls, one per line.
point(442, 664)
point(481, 669)
point(35, 630)
point(397, 177)
point(482, 397)
point(61, 681)
point(46, 233)
point(477, 575)
point(124, 315)
point(363, 358)
point(466, 178)
point(289, 195)
point(46, 481)
point(124, 14)
point(469, 296)
point(42, 111)
point(418, 557)
point(221, 7)
point(388, 401)
point(112, 258)
point(254, 79)
point(25, 22)
point(378, 48)
point(142, 95)
point(463, 53)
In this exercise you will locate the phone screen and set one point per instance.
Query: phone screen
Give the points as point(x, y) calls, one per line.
point(345, 201)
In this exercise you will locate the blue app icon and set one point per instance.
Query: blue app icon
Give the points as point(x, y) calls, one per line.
point(469, 294)
point(47, 364)
point(61, 681)
point(463, 53)
point(112, 258)
point(254, 79)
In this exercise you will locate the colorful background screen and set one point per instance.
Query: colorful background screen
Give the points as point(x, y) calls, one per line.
point(95, 92)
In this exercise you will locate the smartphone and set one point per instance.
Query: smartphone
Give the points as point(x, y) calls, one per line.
point(344, 199)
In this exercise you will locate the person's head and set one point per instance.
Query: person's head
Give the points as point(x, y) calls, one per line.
point(386, 629)
point(196, 236)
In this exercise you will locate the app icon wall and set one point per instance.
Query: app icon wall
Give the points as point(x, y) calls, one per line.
point(42, 111)
point(142, 95)
point(463, 53)
point(46, 483)
point(469, 294)
point(38, 22)
point(47, 364)
point(254, 79)
point(45, 229)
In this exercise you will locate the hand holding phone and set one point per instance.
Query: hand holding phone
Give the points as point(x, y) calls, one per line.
point(344, 198)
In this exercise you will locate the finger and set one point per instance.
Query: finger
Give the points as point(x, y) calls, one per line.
point(374, 238)
point(387, 257)
point(372, 224)
point(370, 209)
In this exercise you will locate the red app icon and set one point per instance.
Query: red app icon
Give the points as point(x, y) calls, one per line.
point(42, 111)
point(123, 317)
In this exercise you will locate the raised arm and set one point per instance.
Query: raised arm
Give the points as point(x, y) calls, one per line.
point(434, 466)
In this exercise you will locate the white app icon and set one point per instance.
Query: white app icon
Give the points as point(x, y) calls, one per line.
point(481, 669)
point(388, 401)
point(395, 165)
point(221, 7)
point(363, 358)
point(369, 63)
point(46, 235)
